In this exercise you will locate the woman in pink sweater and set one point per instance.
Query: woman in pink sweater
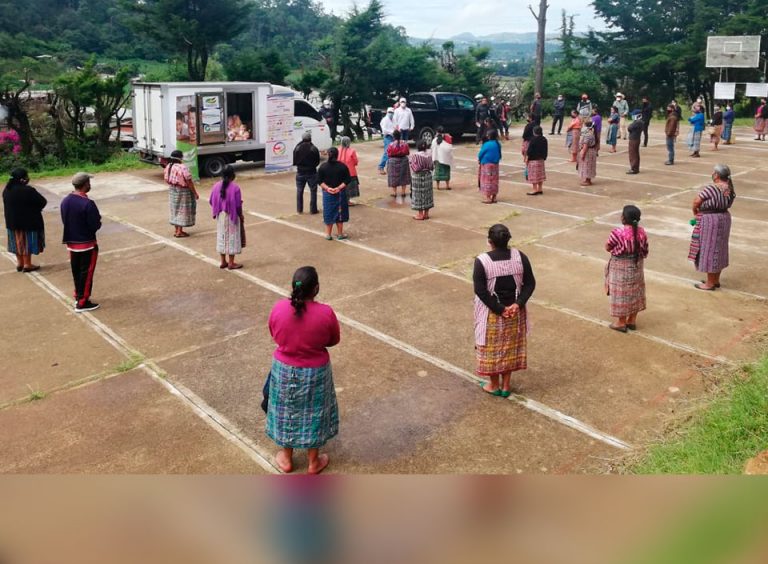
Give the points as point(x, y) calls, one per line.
point(302, 410)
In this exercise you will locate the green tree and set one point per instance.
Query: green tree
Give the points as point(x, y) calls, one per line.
point(191, 27)
point(257, 66)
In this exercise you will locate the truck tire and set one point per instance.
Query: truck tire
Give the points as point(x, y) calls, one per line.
point(426, 133)
point(213, 165)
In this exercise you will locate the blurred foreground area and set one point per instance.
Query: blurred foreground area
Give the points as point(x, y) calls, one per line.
point(374, 520)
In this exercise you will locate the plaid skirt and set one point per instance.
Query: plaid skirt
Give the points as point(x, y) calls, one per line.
point(442, 172)
point(353, 188)
point(26, 242)
point(228, 239)
point(422, 195)
point(302, 412)
point(398, 172)
point(625, 284)
point(536, 172)
point(488, 179)
point(505, 348)
point(183, 206)
point(760, 124)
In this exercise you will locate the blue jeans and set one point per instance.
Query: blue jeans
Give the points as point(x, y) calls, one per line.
point(384, 158)
point(301, 181)
point(727, 131)
point(404, 134)
point(670, 149)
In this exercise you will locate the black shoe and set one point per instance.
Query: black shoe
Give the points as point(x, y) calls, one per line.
point(314, 212)
point(87, 306)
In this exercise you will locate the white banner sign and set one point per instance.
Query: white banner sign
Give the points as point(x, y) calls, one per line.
point(279, 150)
point(757, 89)
point(725, 90)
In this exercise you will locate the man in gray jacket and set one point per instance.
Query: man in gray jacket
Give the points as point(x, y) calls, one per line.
point(557, 114)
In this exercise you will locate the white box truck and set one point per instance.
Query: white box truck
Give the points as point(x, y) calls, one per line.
point(222, 122)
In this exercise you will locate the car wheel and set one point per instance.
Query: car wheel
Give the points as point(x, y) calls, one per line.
point(213, 166)
point(427, 134)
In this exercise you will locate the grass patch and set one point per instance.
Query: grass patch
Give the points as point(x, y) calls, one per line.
point(130, 363)
point(720, 437)
point(119, 162)
point(35, 395)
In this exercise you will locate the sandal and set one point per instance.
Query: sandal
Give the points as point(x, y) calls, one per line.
point(705, 287)
point(31, 268)
point(223, 265)
point(496, 392)
point(619, 328)
point(328, 238)
point(342, 237)
point(506, 393)
point(234, 266)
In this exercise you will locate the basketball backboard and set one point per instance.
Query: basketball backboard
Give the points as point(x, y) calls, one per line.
point(734, 51)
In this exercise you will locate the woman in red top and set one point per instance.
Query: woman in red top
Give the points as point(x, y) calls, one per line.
point(398, 168)
point(348, 156)
point(302, 410)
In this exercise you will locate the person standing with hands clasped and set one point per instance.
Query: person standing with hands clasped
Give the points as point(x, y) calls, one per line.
point(182, 194)
point(671, 129)
point(333, 177)
point(82, 220)
point(503, 282)
point(23, 207)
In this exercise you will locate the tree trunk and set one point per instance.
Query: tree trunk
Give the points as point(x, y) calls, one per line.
point(541, 37)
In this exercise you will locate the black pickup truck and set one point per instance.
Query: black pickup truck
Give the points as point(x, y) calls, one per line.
point(454, 111)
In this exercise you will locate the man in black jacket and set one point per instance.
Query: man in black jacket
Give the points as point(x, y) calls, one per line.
point(482, 114)
point(647, 113)
point(306, 157)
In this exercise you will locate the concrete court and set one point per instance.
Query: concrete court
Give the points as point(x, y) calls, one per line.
point(166, 377)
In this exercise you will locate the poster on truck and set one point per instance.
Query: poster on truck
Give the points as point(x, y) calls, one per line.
point(186, 132)
point(279, 150)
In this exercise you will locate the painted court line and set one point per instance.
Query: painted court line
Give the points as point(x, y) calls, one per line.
point(564, 310)
point(215, 421)
point(656, 273)
point(532, 405)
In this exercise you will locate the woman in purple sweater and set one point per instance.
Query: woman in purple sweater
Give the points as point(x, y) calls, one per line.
point(302, 410)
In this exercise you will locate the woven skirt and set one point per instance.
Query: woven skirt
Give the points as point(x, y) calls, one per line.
point(302, 412)
point(536, 172)
point(760, 124)
point(488, 179)
point(422, 194)
point(442, 172)
point(505, 348)
point(26, 242)
point(353, 188)
point(183, 206)
point(335, 208)
point(709, 242)
point(625, 285)
point(398, 172)
point(228, 240)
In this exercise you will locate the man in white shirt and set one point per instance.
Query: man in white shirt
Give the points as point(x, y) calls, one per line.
point(404, 119)
point(623, 107)
point(387, 129)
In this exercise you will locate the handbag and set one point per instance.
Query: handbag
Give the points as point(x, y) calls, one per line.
point(265, 392)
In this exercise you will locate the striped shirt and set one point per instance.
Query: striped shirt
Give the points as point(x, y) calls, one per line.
point(713, 199)
point(621, 242)
point(420, 162)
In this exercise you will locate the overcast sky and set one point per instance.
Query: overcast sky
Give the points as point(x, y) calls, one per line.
point(444, 18)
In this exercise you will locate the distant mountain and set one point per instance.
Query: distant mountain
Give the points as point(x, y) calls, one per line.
point(504, 46)
point(506, 37)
